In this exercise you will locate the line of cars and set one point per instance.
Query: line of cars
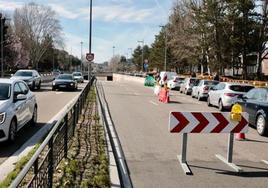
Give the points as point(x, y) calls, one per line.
point(225, 94)
point(18, 104)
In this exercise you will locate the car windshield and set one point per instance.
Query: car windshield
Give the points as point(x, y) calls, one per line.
point(4, 91)
point(23, 73)
point(211, 83)
point(64, 77)
point(179, 79)
point(240, 88)
point(77, 74)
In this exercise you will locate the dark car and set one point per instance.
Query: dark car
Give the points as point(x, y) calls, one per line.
point(31, 77)
point(255, 103)
point(64, 82)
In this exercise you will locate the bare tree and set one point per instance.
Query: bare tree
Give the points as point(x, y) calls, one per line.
point(34, 24)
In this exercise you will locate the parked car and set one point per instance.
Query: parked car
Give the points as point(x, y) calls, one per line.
point(255, 103)
point(201, 90)
point(224, 94)
point(175, 82)
point(78, 76)
point(64, 81)
point(165, 76)
point(17, 107)
point(31, 77)
point(188, 84)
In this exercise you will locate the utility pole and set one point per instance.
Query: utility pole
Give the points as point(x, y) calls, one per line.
point(113, 50)
point(2, 45)
point(90, 37)
point(165, 53)
point(142, 53)
point(81, 66)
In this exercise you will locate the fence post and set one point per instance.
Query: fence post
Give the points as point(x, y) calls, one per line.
point(66, 136)
point(50, 163)
point(36, 167)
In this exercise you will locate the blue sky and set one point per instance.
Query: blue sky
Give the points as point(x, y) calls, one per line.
point(119, 23)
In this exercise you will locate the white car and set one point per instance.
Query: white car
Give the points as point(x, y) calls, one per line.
point(201, 90)
point(175, 82)
point(31, 77)
point(165, 76)
point(224, 94)
point(188, 84)
point(17, 108)
point(78, 76)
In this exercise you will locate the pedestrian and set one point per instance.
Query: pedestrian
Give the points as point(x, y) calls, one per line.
point(216, 77)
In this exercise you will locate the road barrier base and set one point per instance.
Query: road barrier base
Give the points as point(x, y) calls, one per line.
point(240, 136)
point(232, 165)
point(184, 166)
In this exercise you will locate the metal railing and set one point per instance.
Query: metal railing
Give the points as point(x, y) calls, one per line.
point(39, 170)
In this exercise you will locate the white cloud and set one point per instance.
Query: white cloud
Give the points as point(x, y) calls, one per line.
point(120, 13)
point(10, 6)
point(63, 12)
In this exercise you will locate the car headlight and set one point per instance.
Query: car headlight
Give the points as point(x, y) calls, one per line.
point(53, 83)
point(72, 84)
point(2, 117)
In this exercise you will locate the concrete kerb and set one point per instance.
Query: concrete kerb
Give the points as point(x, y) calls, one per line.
point(114, 177)
point(10, 163)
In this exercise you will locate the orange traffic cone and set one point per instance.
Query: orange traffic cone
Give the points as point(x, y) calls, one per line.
point(240, 136)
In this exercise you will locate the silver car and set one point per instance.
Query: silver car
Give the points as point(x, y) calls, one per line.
point(17, 107)
point(78, 76)
point(201, 90)
point(31, 77)
point(188, 84)
point(224, 94)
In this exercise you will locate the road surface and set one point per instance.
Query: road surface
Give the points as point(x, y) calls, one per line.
point(151, 151)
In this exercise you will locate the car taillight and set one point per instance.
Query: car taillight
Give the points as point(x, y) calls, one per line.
point(174, 80)
point(205, 88)
point(231, 94)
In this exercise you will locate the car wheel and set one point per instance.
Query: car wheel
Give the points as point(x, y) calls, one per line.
point(208, 101)
point(12, 131)
point(53, 89)
point(261, 125)
point(33, 86)
point(221, 108)
point(39, 85)
point(34, 117)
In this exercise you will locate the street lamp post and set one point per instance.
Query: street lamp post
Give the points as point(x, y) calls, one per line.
point(142, 42)
point(81, 66)
point(2, 46)
point(165, 53)
point(90, 37)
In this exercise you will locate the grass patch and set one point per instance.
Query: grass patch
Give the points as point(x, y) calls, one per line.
point(18, 167)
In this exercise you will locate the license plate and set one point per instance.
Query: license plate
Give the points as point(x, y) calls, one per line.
point(62, 86)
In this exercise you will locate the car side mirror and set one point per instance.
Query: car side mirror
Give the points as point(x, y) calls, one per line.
point(243, 97)
point(20, 97)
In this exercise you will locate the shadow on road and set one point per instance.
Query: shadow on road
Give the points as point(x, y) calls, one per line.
point(7, 148)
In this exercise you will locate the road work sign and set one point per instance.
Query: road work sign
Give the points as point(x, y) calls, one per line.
point(206, 122)
point(209, 122)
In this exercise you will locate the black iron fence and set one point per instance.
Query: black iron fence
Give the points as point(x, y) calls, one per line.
point(39, 170)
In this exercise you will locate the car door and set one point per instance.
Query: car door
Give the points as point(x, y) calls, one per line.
point(19, 106)
point(219, 93)
point(29, 103)
point(249, 103)
point(212, 94)
point(200, 87)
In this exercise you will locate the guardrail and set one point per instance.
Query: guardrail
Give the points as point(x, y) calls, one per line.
point(40, 168)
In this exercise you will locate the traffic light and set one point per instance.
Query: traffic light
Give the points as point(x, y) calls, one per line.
point(3, 30)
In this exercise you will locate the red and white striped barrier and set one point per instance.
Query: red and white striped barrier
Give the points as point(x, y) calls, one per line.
point(206, 122)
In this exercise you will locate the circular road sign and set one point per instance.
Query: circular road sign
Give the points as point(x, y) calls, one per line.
point(90, 56)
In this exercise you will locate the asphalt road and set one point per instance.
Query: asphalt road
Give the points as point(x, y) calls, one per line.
point(49, 104)
point(151, 151)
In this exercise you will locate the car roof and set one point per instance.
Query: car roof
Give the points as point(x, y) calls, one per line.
point(65, 74)
point(7, 81)
point(236, 83)
point(26, 70)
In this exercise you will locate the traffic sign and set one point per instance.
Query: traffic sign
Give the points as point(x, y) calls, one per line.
point(90, 56)
point(206, 122)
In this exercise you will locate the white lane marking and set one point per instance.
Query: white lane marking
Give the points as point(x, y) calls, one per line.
point(154, 103)
point(266, 162)
point(59, 92)
point(136, 94)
